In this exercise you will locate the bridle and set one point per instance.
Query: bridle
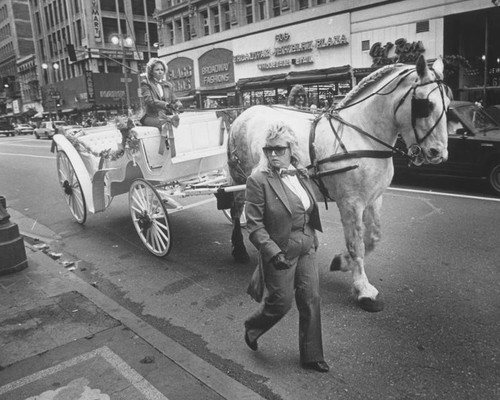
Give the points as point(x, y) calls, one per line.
point(420, 108)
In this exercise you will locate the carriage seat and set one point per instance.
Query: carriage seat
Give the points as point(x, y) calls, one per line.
point(102, 140)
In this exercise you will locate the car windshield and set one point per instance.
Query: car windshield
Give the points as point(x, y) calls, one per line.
point(475, 116)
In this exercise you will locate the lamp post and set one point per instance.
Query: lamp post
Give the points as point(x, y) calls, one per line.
point(121, 40)
point(54, 94)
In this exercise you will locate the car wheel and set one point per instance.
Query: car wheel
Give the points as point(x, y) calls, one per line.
point(38, 137)
point(494, 177)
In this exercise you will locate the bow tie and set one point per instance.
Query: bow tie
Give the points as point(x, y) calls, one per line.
point(290, 172)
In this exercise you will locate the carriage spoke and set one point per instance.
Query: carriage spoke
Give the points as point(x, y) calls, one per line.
point(149, 217)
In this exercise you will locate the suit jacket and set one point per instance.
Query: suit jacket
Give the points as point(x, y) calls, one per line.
point(153, 102)
point(269, 215)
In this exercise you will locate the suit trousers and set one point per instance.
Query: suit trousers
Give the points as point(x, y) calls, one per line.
point(302, 281)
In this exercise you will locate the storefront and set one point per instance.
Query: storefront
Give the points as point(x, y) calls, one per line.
point(475, 36)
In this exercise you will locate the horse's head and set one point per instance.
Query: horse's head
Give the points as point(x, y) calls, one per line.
point(421, 114)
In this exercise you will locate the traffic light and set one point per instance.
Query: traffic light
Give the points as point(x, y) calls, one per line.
point(58, 103)
point(71, 52)
point(5, 81)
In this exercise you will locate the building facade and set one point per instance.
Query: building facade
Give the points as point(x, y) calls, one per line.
point(242, 52)
point(93, 79)
point(16, 42)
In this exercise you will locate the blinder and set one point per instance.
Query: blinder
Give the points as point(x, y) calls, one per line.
point(420, 108)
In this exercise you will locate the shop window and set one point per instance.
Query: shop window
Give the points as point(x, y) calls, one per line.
point(108, 5)
point(303, 4)
point(365, 45)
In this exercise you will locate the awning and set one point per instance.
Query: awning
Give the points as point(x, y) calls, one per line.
point(68, 110)
point(323, 75)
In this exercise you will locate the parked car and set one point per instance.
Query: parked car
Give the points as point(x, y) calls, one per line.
point(473, 147)
point(6, 128)
point(494, 112)
point(48, 128)
point(23, 129)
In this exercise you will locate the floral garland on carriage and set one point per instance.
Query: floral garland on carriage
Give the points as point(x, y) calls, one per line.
point(130, 143)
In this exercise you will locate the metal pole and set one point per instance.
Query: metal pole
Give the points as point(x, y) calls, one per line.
point(125, 74)
point(485, 80)
point(147, 28)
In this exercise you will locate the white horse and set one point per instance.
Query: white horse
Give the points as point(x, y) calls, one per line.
point(348, 152)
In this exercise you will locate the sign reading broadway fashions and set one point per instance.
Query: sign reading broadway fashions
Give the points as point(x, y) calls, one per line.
point(216, 69)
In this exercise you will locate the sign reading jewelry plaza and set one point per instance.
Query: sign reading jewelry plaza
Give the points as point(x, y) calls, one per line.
point(289, 49)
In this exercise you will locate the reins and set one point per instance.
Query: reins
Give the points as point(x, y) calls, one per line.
point(420, 109)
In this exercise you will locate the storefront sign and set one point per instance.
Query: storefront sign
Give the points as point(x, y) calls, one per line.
point(399, 51)
point(180, 73)
point(96, 19)
point(89, 81)
point(216, 68)
point(301, 47)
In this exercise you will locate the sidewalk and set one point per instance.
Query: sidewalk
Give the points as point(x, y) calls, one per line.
point(60, 336)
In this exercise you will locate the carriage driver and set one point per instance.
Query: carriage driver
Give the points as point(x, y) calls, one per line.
point(160, 103)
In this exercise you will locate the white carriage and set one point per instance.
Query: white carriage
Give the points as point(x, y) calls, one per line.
point(96, 164)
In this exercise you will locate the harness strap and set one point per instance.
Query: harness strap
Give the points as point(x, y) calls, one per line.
point(357, 154)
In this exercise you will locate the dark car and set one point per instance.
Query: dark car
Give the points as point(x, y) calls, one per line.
point(473, 147)
point(6, 128)
point(494, 112)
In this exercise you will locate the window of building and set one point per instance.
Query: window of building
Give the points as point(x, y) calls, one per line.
point(64, 11)
point(205, 22)
point(110, 5)
point(261, 4)
point(177, 31)
point(141, 36)
point(276, 8)
point(79, 32)
point(187, 29)
point(109, 27)
point(215, 18)
point(226, 16)
point(321, 2)
point(303, 4)
point(76, 6)
point(170, 33)
point(56, 13)
point(249, 11)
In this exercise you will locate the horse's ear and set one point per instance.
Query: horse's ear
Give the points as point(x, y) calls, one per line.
point(438, 68)
point(421, 66)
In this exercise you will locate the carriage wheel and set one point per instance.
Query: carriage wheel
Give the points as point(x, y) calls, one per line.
point(243, 217)
point(150, 218)
point(72, 190)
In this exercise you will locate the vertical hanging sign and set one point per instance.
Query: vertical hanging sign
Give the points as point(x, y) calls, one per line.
point(96, 21)
point(89, 80)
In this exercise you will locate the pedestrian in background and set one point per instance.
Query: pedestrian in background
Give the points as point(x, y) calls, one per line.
point(297, 97)
point(282, 216)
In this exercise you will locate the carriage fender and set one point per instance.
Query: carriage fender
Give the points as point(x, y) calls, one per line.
point(82, 174)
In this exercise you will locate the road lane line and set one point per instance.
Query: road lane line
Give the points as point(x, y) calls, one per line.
point(26, 155)
point(461, 196)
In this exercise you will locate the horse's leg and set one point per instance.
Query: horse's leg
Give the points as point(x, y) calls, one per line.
point(239, 251)
point(353, 259)
point(371, 219)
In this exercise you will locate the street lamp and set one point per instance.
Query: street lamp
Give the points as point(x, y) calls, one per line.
point(54, 95)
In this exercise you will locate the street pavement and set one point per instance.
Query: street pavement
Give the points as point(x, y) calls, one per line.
point(61, 338)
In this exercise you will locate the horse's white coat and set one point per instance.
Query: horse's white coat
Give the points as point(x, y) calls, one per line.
point(358, 192)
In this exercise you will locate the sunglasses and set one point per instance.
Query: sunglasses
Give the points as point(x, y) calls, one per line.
point(278, 150)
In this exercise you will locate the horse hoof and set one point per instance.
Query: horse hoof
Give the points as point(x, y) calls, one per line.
point(371, 305)
point(336, 263)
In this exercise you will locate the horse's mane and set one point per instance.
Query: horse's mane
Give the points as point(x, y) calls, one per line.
point(367, 82)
